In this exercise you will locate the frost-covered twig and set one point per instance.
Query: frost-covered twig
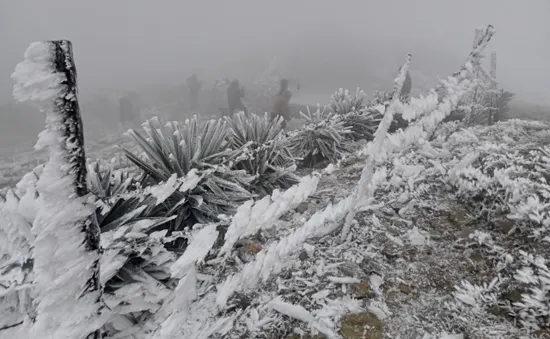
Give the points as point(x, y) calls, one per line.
point(66, 247)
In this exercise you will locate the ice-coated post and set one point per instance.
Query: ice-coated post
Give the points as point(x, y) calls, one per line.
point(66, 248)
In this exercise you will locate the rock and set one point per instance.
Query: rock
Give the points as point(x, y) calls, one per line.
point(513, 295)
point(439, 279)
point(404, 288)
point(302, 208)
point(390, 251)
point(363, 325)
point(303, 255)
point(351, 269)
point(458, 217)
point(476, 256)
point(253, 248)
point(504, 225)
point(248, 250)
point(495, 310)
point(239, 301)
point(361, 290)
point(306, 336)
point(351, 160)
point(465, 233)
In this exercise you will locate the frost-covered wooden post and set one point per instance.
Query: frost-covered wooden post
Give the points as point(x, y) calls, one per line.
point(66, 247)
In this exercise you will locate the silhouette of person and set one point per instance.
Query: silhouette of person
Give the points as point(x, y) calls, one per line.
point(281, 104)
point(194, 86)
point(407, 86)
point(234, 95)
point(126, 110)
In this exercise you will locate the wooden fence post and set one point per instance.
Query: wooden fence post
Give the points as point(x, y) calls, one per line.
point(66, 245)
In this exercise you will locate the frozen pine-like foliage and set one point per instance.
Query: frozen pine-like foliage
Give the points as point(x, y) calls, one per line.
point(66, 244)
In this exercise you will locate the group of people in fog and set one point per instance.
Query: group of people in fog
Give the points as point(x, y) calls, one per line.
point(280, 105)
point(234, 93)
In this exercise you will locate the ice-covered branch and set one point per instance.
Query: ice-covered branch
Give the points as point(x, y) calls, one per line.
point(66, 247)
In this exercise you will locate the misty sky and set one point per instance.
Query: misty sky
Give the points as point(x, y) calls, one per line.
point(121, 43)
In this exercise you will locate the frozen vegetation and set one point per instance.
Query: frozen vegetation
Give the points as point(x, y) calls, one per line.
point(396, 217)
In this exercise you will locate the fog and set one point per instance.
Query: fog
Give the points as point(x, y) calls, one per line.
point(129, 44)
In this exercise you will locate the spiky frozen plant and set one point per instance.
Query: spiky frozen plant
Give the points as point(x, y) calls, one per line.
point(106, 183)
point(16, 294)
point(342, 102)
point(321, 139)
point(66, 247)
point(177, 150)
point(351, 110)
point(268, 157)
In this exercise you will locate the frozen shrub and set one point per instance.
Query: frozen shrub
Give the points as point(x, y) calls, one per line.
point(267, 155)
point(343, 102)
point(182, 149)
point(321, 139)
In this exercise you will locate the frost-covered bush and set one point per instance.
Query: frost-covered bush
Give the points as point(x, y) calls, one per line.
point(502, 101)
point(266, 152)
point(135, 273)
point(380, 98)
point(108, 182)
point(362, 124)
point(508, 174)
point(342, 102)
point(178, 150)
point(360, 120)
point(322, 138)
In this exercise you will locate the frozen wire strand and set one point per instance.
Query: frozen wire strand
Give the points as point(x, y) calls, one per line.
point(365, 187)
point(252, 216)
